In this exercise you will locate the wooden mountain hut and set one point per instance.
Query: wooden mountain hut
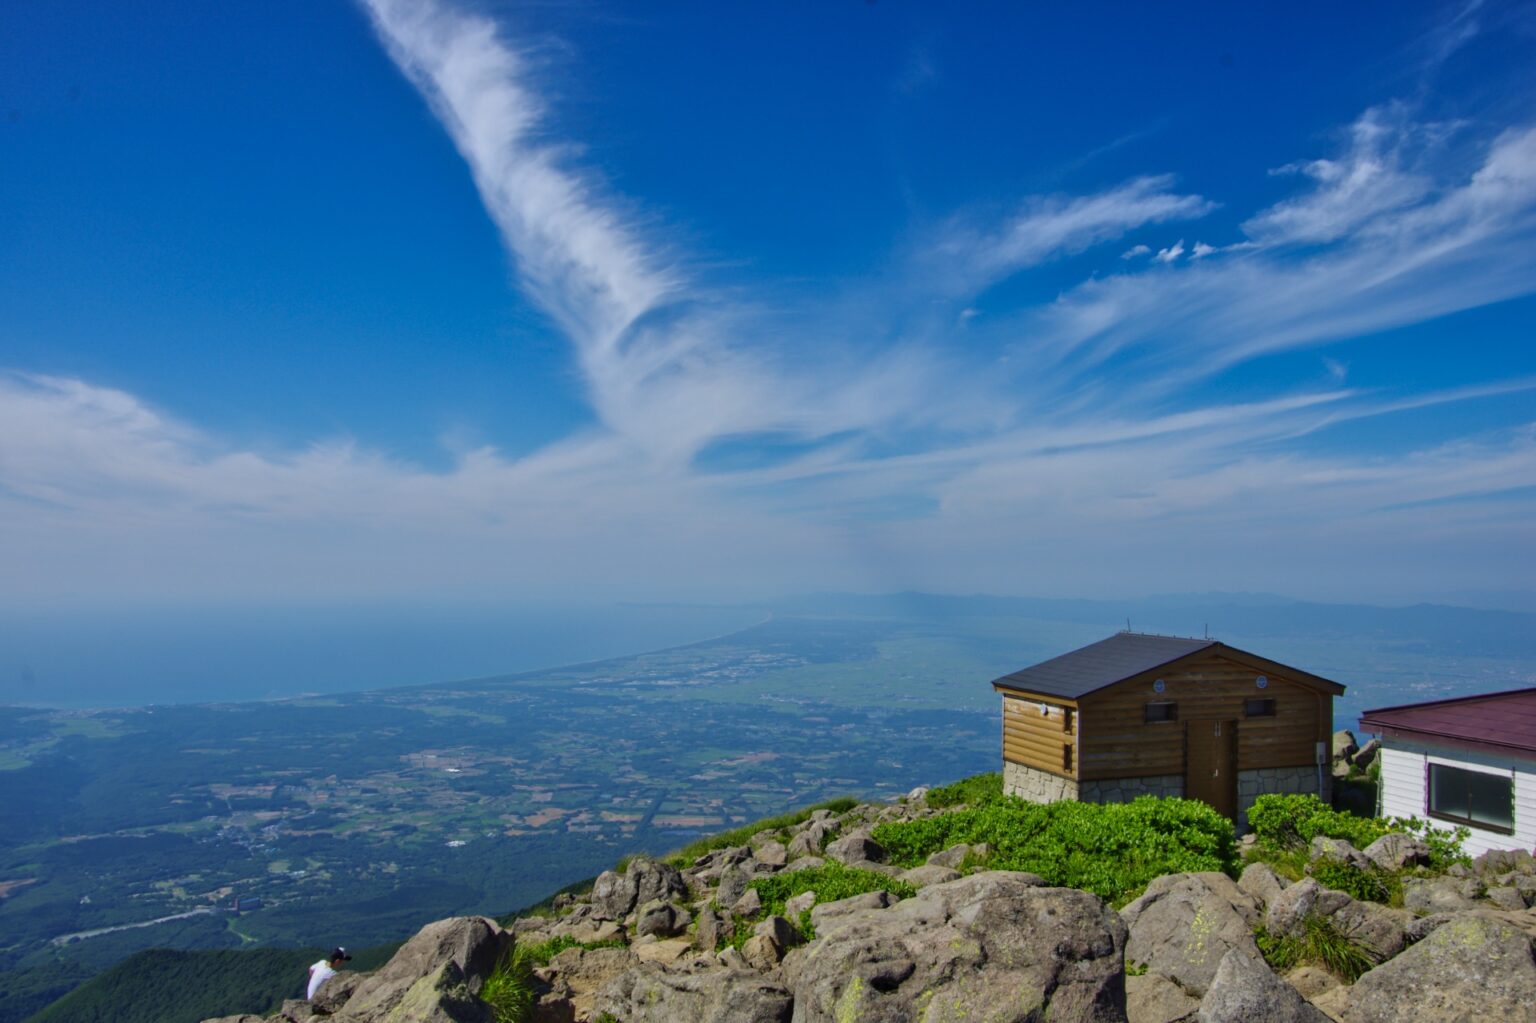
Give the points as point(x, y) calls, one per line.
point(1136, 715)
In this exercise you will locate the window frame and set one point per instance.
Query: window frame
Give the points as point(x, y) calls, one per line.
point(1429, 797)
point(1273, 710)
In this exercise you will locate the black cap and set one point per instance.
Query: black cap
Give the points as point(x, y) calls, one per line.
point(339, 953)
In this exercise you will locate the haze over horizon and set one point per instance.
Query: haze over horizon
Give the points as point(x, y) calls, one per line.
point(456, 301)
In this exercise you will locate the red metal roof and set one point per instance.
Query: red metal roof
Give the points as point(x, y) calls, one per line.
point(1494, 720)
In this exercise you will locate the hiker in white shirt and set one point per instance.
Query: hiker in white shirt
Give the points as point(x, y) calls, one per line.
point(324, 970)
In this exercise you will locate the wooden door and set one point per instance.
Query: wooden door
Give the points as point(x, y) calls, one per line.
point(1210, 764)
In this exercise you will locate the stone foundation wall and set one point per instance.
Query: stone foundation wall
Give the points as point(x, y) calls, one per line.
point(1044, 787)
point(1267, 781)
point(1123, 790)
point(1035, 785)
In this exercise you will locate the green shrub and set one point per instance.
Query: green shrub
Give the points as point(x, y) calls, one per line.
point(830, 882)
point(685, 856)
point(972, 791)
point(1445, 846)
point(1113, 849)
point(1295, 820)
point(1365, 884)
point(1322, 944)
point(1288, 822)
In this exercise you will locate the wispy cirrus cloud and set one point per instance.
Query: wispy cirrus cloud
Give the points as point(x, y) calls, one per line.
point(1372, 177)
point(1389, 248)
point(970, 257)
point(917, 458)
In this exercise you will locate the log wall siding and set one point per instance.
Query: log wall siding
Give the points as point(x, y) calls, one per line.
point(1119, 743)
point(1037, 739)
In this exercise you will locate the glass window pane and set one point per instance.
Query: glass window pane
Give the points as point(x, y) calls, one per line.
point(1490, 799)
point(1448, 791)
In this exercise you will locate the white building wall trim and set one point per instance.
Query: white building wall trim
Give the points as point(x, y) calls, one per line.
point(1404, 777)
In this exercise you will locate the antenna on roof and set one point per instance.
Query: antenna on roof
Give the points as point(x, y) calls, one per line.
point(1127, 624)
point(1207, 630)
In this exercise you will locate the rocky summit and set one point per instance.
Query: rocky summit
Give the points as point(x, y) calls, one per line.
point(952, 939)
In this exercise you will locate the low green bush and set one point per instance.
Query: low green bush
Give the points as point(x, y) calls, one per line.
point(1111, 849)
point(1365, 884)
point(1294, 820)
point(1289, 822)
point(972, 791)
point(830, 882)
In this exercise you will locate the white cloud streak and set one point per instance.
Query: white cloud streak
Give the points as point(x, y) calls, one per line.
point(916, 467)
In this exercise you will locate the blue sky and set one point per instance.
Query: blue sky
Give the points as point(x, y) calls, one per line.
point(419, 301)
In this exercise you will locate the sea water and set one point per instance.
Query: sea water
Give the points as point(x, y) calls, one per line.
point(136, 657)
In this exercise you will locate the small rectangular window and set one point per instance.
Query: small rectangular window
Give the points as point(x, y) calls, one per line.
point(1472, 797)
point(1066, 720)
point(1165, 710)
point(1259, 708)
point(1066, 757)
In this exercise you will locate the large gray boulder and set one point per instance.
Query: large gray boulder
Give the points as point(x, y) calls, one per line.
point(855, 848)
point(1503, 861)
point(445, 996)
point(1471, 969)
point(572, 980)
point(1288, 911)
point(951, 857)
point(1396, 850)
point(1153, 998)
point(1367, 753)
point(1439, 894)
point(822, 916)
point(932, 873)
point(810, 839)
point(772, 854)
point(993, 946)
point(614, 895)
point(652, 993)
point(713, 928)
point(472, 945)
point(1186, 923)
point(336, 992)
point(1344, 745)
point(663, 919)
point(1380, 931)
point(1325, 848)
point(1262, 882)
point(733, 885)
point(1245, 990)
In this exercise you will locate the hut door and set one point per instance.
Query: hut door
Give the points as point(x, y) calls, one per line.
point(1210, 764)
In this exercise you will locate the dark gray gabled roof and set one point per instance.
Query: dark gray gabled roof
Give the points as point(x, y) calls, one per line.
point(1101, 664)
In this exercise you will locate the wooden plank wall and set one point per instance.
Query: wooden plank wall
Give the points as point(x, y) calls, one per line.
point(1119, 743)
point(1036, 739)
